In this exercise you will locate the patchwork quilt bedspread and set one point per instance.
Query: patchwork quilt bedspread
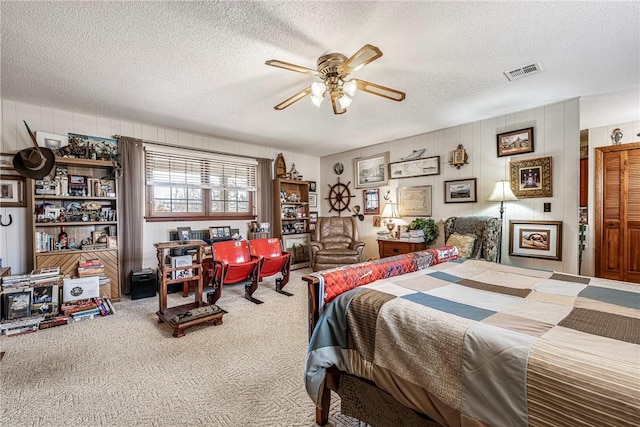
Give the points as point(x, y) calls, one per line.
point(473, 343)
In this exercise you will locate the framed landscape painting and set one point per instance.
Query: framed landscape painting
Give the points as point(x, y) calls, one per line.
point(460, 191)
point(515, 142)
point(371, 171)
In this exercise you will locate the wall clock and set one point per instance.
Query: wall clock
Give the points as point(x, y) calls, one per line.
point(338, 168)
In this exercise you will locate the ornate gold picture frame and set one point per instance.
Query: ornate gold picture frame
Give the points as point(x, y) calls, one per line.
point(531, 178)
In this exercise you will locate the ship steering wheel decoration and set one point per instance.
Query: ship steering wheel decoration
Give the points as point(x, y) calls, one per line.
point(339, 197)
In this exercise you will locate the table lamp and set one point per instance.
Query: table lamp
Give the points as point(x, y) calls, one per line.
point(389, 213)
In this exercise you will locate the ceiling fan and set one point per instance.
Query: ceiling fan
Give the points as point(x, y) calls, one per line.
point(334, 69)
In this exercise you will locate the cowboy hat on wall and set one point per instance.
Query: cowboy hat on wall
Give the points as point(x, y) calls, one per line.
point(35, 163)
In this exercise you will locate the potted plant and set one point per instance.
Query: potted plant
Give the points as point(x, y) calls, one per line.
point(428, 226)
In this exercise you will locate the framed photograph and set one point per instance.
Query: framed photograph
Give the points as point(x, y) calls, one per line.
point(298, 246)
point(460, 191)
point(99, 236)
point(313, 200)
point(312, 186)
point(583, 214)
point(536, 239)
point(531, 178)
point(112, 242)
point(51, 140)
point(223, 232)
point(371, 171)
point(12, 191)
point(6, 161)
point(184, 233)
point(371, 201)
point(85, 146)
point(313, 217)
point(515, 142)
point(415, 201)
point(418, 167)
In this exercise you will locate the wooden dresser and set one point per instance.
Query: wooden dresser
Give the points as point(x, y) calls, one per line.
point(388, 248)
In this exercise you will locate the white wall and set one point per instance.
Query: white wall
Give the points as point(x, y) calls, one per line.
point(556, 134)
point(15, 247)
point(601, 137)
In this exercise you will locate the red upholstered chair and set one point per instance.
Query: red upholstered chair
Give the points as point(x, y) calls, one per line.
point(273, 261)
point(232, 264)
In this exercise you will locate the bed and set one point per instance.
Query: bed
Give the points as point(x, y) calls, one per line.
point(429, 339)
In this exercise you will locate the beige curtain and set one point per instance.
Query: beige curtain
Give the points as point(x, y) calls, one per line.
point(131, 195)
point(265, 191)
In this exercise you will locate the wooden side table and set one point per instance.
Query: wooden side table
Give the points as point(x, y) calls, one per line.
point(168, 314)
point(388, 248)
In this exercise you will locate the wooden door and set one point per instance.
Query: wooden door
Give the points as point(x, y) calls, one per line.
point(617, 212)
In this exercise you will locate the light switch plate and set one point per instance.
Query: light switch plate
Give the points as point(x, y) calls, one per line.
point(547, 207)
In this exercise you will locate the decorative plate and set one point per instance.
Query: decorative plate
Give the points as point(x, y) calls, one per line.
point(338, 168)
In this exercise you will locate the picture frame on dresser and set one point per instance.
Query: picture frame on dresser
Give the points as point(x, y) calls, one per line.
point(12, 191)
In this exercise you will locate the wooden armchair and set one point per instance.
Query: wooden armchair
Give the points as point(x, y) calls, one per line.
point(336, 243)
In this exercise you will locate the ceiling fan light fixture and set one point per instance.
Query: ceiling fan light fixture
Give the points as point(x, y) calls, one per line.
point(350, 87)
point(318, 88)
point(317, 100)
point(345, 101)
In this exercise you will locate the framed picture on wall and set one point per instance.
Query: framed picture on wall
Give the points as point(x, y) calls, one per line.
point(313, 200)
point(536, 239)
point(415, 201)
point(12, 193)
point(515, 142)
point(460, 191)
point(531, 178)
point(371, 199)
point(371, 171)
point(418, 167)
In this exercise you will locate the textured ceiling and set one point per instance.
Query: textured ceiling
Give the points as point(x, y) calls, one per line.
point(199, 66)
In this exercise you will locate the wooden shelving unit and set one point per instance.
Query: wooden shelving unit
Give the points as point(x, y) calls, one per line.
point(291, 219)
point(167, 314)
point(45, 230)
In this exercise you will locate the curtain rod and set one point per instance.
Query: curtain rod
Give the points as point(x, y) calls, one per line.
point(162, 144)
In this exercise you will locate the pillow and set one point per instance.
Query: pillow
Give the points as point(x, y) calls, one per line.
point(464, 244)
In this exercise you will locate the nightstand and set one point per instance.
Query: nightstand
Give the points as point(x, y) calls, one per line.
point(388, 248)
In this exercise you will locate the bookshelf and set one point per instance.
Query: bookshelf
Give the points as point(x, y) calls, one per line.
point(291, 219)
point(81, 196)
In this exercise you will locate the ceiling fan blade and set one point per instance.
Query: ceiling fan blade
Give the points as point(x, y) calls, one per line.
point(292, 67)
point(337, 108)
point(293, 99)
point(383, 91)
point(364, 56)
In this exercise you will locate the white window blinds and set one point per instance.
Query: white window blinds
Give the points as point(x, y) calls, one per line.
point(199, 170)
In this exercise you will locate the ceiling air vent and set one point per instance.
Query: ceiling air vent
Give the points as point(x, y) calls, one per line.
point(525, 70)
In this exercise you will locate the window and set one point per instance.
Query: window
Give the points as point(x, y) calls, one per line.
point(183, 185)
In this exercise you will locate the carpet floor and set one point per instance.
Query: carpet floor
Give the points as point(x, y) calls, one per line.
point(127, 370)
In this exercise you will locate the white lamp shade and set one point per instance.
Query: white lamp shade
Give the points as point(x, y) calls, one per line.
point(390, 211)
point(318, 88)
point(317, 100)
point(344, 101)
point(502, 192)
point(350, 87)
